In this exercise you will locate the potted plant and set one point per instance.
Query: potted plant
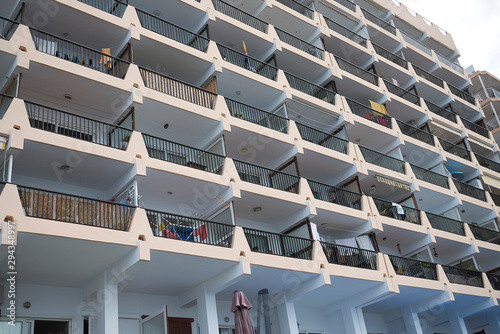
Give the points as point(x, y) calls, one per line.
point(125, 141)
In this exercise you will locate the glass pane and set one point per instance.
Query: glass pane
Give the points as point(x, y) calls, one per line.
point(155, 325)
point(5, 328)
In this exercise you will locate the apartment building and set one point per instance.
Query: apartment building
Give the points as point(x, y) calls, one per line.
point(324, 157)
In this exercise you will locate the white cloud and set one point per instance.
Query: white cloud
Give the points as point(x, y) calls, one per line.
point(472, 24)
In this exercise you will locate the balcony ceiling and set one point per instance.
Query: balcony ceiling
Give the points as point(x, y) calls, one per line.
point(321, 168)
point(408, 295)
point(370, 134)
point(433, 201)
point(290, 23)
point(339, 225)
point(6, 62)
point(297, 64)
point(383, 191)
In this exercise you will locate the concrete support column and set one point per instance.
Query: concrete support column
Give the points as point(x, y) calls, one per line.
point(494, 321)
point(457, 323)
point(107, 298)
point(287, 318)
point(354, 320)
point(207, 313)
point(412, 322)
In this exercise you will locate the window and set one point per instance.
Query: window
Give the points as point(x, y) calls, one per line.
point(226, 330)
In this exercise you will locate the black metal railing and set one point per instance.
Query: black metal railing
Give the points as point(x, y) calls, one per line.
point(426, 75)
point(461, 94)
point(496, 198)
point(83, 128)
point(350, 256)
point(181, 90)
point(490, 164)
point(368, 113)
point(7, 28)
point(67, 208)
point(310, 88)
point(416, 133)
point(463, 276)
point(335, 195)
point(257, 116)
point(279, 244)
point(299, 43)
point(485, 234)
point(475, 128)
point(298, 7)
point(430, 176)
point(348, 4)
point(383, 160)
point(413, 268)
point(162, 149)
point(267, 177)
point(172, 31)
point(113, 7)
point(441, 111)
point(5, 101)
point(322, 138)
point(378, 21)
point(403, 93)
point(357, 71)
point(240, 15)
point(345, 32)
point(390, 56)
point(446, 224)
point(245, 61)
point(455, 149)
point(469, 190)
point(184, 228)
point(399, 212)
point(494, 280)
point(79, 54)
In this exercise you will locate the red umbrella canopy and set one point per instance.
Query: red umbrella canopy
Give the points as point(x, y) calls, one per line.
point(240, 307)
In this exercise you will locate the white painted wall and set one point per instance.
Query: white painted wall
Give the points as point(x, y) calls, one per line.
point(311, 319)
point(335, 323)
point(375, 323)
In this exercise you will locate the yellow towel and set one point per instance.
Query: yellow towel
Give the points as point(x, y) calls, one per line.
point(378, 107)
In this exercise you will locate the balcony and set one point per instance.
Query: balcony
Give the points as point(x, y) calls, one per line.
point(490, 164)
point(494, 280)
point(357, 71)
point(464, 276)
point(496, 199)
point(430, 176)
point(461, 94)
point(181, 90)
point(441, 111)
point(450, 63)
point(446, 224)
point(383, 160)
point(79, 54)
point(299, 44)
point(278, 244)
point(113, 7)
point(429, 77)
point(484, 234)
point(413, 268)
point(183, 228)
point(267, 177)
point(322, 138)
point(348, 4)
point(490, 93)
point(417, 44)
point(66, 208)
point(82, 128)
point(345, 32)
point(379, 22)
point(257, 116)
point(350, 256)
point(247, 62)
point(387, 209)
point(310, 88)
point(240, 15)
point(403, 93)
point(335, 195)
point(390, 56)
point(183, 155)
point(416, 133)
point(455, 149)
point(298, 7)
point(368, 113)
point(475, 128)
point(7, 28)
point(467, 189)
point(5, 101)
point(172, 31)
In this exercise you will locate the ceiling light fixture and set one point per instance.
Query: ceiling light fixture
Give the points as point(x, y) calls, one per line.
point(64, 168)
point(257, 209)
point(244, 150)
point(157, 12)
point(68, 96)
point(238, 92)
point(165, 126)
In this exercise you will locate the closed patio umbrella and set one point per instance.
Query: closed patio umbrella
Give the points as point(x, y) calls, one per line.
point(240, 307)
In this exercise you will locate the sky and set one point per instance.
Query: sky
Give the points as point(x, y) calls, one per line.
point(474, 26)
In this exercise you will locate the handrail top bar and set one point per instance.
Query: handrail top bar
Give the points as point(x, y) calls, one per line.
point(6, 95)
point(80, 45)
point(309, 82)
point(239, 10)
point(274, 233)
point(406, 258)
point(329, 19)
point(326, 133)
point(269, 169)
point(71, 195)
point(364, 105)
point(428, 170)
point(455, 220)
point(241, 53)
point(404, 206)
point(247, 105)
point(191, 147)
point(182, 216)
point(350, 247)
point(327, 185)
point(369, 149)
point(8, 19)
point(300, 39)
